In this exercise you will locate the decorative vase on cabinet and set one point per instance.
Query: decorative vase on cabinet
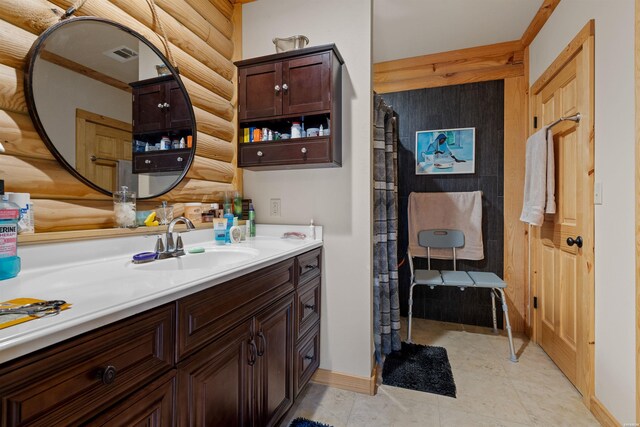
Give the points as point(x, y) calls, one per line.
point(274, 91)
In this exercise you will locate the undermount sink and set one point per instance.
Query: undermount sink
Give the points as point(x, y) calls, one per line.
point(210, 258)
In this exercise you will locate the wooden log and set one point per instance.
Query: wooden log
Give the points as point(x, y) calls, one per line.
point(196, 22)
point(211, 170)
point(34, 16)
point(198, 190)
point(211, 14)
point(224, 6)
point(15, 44)
point(214, 148)
point(12, 90)
point(62, 215)
point(189, 66)
point(19, 137)
point(213, 125)
point(181, 36)
point(203, 98)
point(44, 179)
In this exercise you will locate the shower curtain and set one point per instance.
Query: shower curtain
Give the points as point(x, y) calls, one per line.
point(386, 306)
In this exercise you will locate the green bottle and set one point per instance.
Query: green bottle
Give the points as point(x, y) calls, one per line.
point(251, 223)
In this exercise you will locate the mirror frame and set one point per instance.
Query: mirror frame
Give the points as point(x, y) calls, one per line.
point(33, 113)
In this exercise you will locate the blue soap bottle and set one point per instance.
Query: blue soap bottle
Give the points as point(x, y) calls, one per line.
point(229, 217)
point(9, 217)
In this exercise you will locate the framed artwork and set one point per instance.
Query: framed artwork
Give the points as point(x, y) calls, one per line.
point(445, 151)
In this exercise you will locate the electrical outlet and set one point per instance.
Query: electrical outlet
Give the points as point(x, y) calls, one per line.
point(274, 207)
point(597, 193)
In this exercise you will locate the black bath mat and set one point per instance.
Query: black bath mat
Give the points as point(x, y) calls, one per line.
point(420, 367)
point(303, 422)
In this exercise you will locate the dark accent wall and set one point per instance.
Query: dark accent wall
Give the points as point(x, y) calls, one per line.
point(479, 105)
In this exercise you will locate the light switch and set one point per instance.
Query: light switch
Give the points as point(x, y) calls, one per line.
point(597, 193)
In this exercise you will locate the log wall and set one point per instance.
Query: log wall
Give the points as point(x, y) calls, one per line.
point(203, 42)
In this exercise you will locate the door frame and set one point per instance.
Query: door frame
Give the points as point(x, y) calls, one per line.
point(637, 179)
point(585, 365)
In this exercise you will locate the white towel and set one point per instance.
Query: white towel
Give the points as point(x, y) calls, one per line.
point(461, 211)
point(539, 178)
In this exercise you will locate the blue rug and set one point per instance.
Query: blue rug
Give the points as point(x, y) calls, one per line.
point(303, 422)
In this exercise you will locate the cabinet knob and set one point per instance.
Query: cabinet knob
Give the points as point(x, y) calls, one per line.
point(307, 357)
point(147, 162)
point(165, 105)
point(160, 106)
point(310, 306)
point(277, 88)
point(285, 87)
point(259, 153)
point(303, 150)
point(253, 351)
point(179, 159)
point(107, 375)
point(264, 343)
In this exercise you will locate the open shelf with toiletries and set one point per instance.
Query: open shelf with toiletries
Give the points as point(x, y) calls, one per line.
point(284, 97)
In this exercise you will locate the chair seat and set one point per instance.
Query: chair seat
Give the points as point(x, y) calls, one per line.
point(484, 279)
point(428, 277)
point(456, 278)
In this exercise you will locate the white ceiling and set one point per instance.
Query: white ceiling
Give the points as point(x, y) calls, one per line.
point(406, 28)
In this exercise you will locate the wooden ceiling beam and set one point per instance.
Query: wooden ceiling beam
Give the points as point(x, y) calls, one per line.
point(538, 21)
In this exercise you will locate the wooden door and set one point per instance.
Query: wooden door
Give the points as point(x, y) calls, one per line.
point(308, 84)
point(563, 271)
point(100, 142)
point(274, 367)
point(178, 111)
point(149, 110)
point(215, 384)
point(260, 91)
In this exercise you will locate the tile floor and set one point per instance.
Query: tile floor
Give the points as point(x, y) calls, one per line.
point(491, 390)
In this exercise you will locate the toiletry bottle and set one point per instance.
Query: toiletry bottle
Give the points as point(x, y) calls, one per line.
point(312, 231)
point(229, 217)
point(251, 223)
point(9, 217)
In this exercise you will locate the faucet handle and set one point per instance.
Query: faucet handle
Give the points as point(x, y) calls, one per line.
point(159, 245)
point(179, 244)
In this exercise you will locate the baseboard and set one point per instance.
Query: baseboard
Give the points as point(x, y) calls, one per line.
point(364, 385)
point(602, 414)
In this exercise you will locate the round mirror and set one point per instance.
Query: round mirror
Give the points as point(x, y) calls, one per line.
point(110, 107)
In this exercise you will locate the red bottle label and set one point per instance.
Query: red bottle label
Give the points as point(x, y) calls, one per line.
point(9, 214)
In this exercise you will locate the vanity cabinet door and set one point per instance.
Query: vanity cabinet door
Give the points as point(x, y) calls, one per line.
point(260, 91)
point(274, 366)
point(308, 81)
point(178, 112)
point(215, 384)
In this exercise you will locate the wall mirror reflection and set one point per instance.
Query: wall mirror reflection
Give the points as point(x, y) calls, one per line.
point(110, 107)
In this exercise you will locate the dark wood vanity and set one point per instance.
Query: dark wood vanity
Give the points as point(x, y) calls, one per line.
point(235, 354)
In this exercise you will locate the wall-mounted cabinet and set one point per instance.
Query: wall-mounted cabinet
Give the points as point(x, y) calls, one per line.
point(275, 91)
point(160, 109)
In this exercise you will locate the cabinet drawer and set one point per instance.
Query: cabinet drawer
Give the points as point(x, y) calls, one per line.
point(307, 359)
point(152, 406)
point(307, 306)
point(308, 265)
point(206, 315)
point(310, 150)
point(161, 161)
point(72, 381)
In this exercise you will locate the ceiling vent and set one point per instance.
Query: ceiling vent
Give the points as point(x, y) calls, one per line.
point(121, 54)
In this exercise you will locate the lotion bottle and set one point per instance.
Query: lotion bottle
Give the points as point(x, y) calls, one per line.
point(251, 223)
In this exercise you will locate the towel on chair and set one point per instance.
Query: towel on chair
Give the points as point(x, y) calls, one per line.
point(539, 178)
point(461, 211)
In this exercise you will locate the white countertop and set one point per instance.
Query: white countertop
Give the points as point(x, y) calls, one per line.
point(103, 286)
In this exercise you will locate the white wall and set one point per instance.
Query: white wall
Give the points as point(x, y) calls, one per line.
point(614, 167)
point(337, 198)
point(60, 91)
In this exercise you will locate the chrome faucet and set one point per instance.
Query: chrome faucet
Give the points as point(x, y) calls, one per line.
point(171, 249)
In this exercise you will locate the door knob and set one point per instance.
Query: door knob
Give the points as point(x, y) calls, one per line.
point(285, 87)
point(160, 106)
point(277, 88)
point(303, 150)
point(577, 241)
